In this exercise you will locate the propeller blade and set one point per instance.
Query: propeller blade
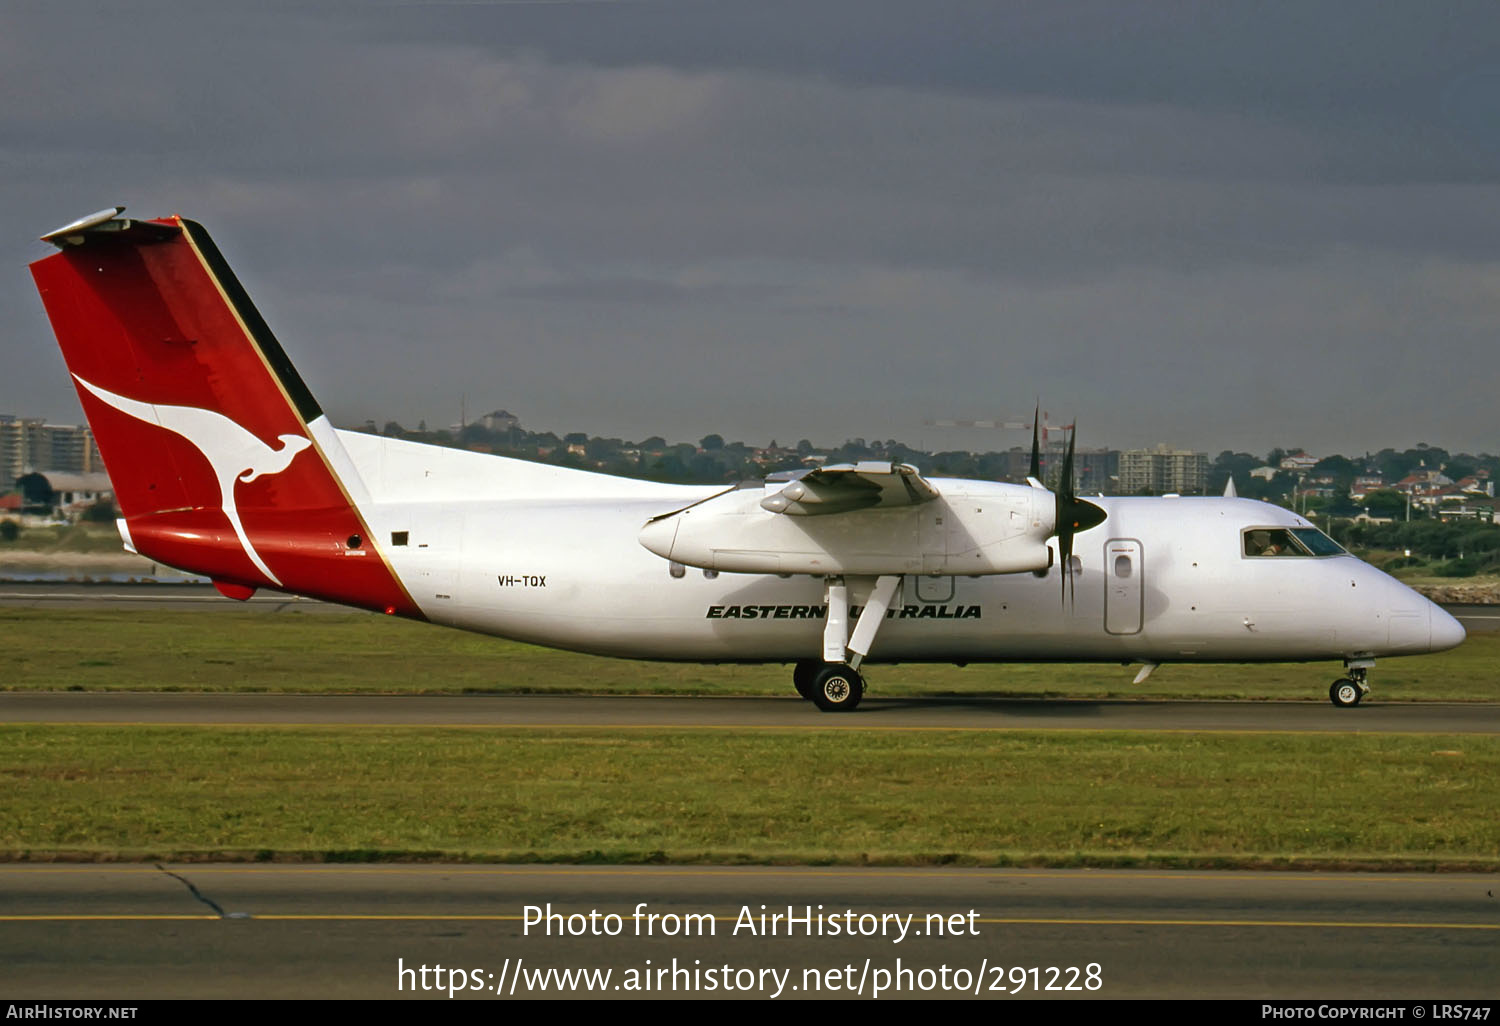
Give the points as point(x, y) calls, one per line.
point(1073, 515)
point(1065, 501)
point(1036, 450)
point(1065, 560)
point(1065, 483)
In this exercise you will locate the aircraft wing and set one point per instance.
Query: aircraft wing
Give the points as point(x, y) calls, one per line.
point(846, 487)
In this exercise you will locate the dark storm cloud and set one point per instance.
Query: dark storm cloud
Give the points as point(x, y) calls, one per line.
point(1371, 67)
point(1191, 222)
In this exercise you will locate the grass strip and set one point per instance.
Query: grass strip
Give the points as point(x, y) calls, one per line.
point(1127, 798)
point(254, 651)
point(103, 539)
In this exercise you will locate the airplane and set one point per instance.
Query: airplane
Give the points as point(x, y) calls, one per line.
point(225, 465)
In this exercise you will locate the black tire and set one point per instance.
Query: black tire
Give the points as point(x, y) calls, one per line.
point(1344, 693)
point(803, 676)
point(838, 688)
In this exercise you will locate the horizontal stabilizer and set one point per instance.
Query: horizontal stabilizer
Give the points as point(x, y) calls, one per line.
point(108, 224)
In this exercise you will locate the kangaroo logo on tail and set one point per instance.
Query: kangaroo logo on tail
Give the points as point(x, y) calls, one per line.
point(234, 453)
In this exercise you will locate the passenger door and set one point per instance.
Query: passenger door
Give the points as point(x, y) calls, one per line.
point(1124, 586)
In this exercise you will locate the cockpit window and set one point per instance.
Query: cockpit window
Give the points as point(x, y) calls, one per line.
point(1263, 542)
point(1316, 542)
point(1269, 541)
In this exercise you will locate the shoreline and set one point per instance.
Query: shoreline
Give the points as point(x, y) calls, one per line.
point(88, 568)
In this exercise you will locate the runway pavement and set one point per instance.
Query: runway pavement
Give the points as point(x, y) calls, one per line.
point(638, 712)
point(332, 931)
point(268, 931)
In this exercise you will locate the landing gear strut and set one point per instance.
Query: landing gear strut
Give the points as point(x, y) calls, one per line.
point(1347, 692)
point(834, 684)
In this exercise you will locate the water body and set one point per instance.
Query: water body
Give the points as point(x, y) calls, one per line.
point(75, 575)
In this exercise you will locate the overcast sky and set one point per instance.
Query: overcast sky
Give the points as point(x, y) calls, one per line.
point(1216, 225)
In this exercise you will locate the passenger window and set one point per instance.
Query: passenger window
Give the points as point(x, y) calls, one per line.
point(1122, 566)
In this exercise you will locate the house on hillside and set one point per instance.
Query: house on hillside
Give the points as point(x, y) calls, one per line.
point(1475, 485)
point(1426, 488)
point(500, 420)
point(74, 492)
point(1458, 506)
point(773, 454)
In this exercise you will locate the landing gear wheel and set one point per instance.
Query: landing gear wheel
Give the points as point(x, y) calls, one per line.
point(837, 688)
point(803, 676)
point(1345, 693)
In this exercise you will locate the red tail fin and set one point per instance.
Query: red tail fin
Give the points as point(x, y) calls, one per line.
point(218, 452)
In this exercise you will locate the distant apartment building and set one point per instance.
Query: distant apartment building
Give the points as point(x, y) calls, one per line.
point(28, 444)
point(1094, 470)
point(1015, 464)
point(1163, 470)
point(1097, 470)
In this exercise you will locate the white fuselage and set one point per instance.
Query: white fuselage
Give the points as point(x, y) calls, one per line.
point(553, 556)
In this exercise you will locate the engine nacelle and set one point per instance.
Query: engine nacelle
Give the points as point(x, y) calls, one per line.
point(971, 528)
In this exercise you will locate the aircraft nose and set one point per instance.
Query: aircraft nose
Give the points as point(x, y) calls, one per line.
point(1446, 631)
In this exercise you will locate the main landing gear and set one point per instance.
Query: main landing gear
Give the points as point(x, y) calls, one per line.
point(1348, 691)
point(832, 687)
point(835, 684)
